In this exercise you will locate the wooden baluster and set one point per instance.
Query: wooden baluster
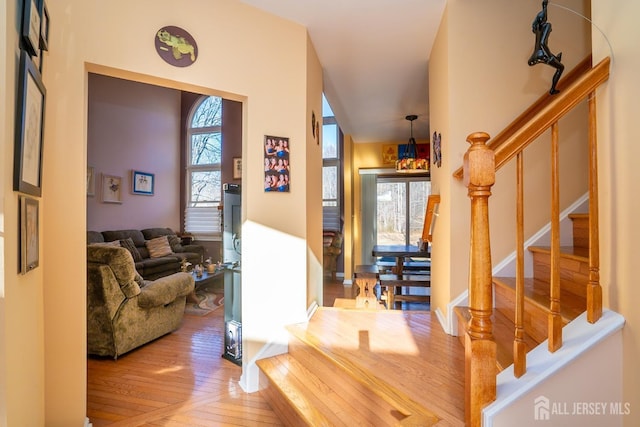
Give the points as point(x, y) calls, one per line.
point(555, 319)
point(594, 290)
point(480, 347)
point(519, 347)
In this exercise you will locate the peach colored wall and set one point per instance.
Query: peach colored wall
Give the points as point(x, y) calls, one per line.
point(134, 126)
point(313, 178)
point(45, 357)
point(619, 175)
point(22, 343)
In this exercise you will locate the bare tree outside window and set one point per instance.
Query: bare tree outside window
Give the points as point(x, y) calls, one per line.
point(204, 167)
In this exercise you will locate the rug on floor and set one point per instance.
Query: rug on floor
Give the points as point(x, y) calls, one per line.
point(204, 301)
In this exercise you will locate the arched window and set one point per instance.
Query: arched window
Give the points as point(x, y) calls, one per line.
point(203, 174)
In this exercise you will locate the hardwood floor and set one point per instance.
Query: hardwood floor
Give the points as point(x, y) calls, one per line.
point(179, 380)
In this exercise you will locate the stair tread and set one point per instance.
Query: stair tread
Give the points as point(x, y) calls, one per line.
point(300, 388)
point(403, 405)
point(538, 291)
point(503, 334)
point(575, 252)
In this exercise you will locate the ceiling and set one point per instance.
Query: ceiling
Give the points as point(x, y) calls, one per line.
point(374, 55)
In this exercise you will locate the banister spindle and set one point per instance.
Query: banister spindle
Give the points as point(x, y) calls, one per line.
point(594, 290)
point(555, 319)
point(519, 347)
point(480, 347)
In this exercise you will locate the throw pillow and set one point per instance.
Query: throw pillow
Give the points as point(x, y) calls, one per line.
point(175, 243)
point(131, 247)
point(158, 247)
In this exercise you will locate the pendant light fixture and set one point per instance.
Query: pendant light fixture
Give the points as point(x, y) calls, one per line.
point(410, 162)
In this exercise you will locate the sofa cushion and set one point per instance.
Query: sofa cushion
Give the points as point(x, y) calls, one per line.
point(159, 247)
point(152, 233)
point(131, 247)
point(94, 237)
point(175, 242)
point(136, 236)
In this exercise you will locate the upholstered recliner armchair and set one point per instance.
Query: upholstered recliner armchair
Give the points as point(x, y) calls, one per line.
point(123, 310)
point(332, 248)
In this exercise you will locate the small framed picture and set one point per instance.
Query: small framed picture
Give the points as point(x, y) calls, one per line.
point(31, 27)
point(44, 27)
point(91, 181)
point(27, 173)
point(142, 183)
point(111, 189)
point(29, 234)
point(237, 168)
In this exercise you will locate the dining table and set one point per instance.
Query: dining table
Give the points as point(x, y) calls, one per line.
point(400, 252)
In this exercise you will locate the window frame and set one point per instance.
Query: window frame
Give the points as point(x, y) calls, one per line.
point(212, 212)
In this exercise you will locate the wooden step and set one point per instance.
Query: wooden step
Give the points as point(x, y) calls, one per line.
point(574, 267)
point(503, 334)
point(313, 385)
point(537, 302)
point(580, 230)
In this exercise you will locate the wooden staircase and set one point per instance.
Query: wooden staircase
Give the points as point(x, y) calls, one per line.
point(363, 368)
point(574, 277)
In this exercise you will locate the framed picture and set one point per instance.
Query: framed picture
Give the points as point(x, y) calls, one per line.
point(27, 174)
point(276, 164)
point(142, 183)
point(44, 27)
point(237, 168)
point(111, 189)
point(91, 181)
point(31, 26)
point(29, 234)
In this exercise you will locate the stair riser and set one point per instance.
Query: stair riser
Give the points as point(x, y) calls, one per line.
point(574, 274)
point(279, 404)
point(534, 319)
point(581, 232)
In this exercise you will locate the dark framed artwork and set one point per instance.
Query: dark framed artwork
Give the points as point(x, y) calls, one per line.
point(276, 164)
point(176, 46)
point(27, 174)
point(44, 26)
point(142, 183)
point(29, 234)
point(31, 26)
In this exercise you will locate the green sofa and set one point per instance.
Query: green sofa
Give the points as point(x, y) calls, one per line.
point(123, 310)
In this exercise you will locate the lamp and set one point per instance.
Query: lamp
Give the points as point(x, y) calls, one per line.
point(410, 162)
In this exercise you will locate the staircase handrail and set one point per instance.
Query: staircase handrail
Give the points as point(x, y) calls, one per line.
point(548, 109)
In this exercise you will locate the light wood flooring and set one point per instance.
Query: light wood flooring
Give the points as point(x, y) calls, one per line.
point(182, 380)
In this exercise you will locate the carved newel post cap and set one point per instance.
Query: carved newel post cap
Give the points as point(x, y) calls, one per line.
point(479, 162)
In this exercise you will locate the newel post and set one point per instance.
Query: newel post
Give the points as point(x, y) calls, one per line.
point(480, 347)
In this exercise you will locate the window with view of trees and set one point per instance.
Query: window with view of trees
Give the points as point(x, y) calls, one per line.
point(203, 174)
point(401, 205)
point(331, 182)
